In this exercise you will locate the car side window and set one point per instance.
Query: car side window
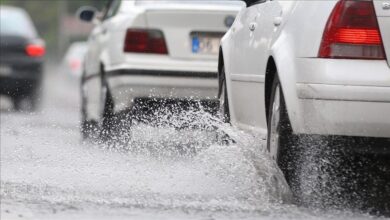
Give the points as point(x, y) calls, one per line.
point(104, 10)
point(255, 2)
point(113, 8)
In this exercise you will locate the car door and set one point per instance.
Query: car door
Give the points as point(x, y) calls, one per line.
point(267, 29)
point(92, 55)
point(247, 78)
point(100, 36)
point(242, 36)
point(92, 87)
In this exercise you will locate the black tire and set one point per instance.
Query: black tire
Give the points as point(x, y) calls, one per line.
point(93, 130)
point(108, 122)
point(100, 129)
point(89, 130)
point(223, 98)
point(27, 103)
point(287, 151)
point(324, 171)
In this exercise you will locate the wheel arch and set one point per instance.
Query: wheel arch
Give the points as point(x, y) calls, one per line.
point(286, 76)
point(270, 73)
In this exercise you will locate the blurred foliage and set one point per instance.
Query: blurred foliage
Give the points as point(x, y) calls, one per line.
point(47, 14)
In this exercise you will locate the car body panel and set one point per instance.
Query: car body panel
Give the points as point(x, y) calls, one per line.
point(242, 79)
point(346, 118)
point(383, 14)
point(126, 90)
point(110, 33)
point(178, 26)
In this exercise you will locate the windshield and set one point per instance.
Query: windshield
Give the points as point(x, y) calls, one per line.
point(16, 22)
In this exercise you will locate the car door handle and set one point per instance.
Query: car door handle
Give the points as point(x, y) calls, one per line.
point(252, 26)
point(386, 5)
point(277, 21)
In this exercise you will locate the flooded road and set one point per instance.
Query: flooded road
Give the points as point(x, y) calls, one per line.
point(48, 173)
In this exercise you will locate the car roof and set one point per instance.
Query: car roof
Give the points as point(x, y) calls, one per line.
point(12, 8)
point(30, 30)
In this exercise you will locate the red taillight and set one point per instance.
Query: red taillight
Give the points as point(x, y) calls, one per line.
point(145, 41)
point(34, 50)
point(352, 32)
point(74, 64)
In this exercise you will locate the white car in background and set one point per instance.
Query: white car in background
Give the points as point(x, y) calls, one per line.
point(307, 67)
point(151, 49)
point(74, 58)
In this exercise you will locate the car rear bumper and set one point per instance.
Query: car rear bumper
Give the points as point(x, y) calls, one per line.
point(129, 84)
point(345, 117)
point(342, 97)
point(165, 63)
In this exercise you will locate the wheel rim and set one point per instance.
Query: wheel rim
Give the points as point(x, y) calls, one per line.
point(275, 125)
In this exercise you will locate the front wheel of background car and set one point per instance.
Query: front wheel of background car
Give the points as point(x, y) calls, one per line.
point(25, 103)
point(281, 142)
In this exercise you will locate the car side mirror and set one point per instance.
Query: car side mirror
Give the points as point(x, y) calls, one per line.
point(87, 13)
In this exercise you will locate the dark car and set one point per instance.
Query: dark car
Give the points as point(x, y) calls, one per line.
point(21, 58)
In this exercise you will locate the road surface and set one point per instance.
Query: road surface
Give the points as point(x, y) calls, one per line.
point(48, 173)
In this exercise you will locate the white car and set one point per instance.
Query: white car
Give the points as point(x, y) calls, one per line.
point(307, 67)
point(151, 49)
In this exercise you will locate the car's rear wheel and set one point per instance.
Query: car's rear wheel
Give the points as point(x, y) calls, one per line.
point(108, 125)
point(325, 171)
point(102, 126)
point(89, 128)
point(281, 142)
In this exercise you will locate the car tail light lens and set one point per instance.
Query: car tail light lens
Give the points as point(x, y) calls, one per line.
point(145, 41)
point(352, 32)
point(75, 64)
point(35, 50)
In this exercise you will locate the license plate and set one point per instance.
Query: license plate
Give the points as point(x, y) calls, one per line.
point(5, 70)
point(205, 44)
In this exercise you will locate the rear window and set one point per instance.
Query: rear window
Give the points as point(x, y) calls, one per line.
point(16, 22)
point(222, 2)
